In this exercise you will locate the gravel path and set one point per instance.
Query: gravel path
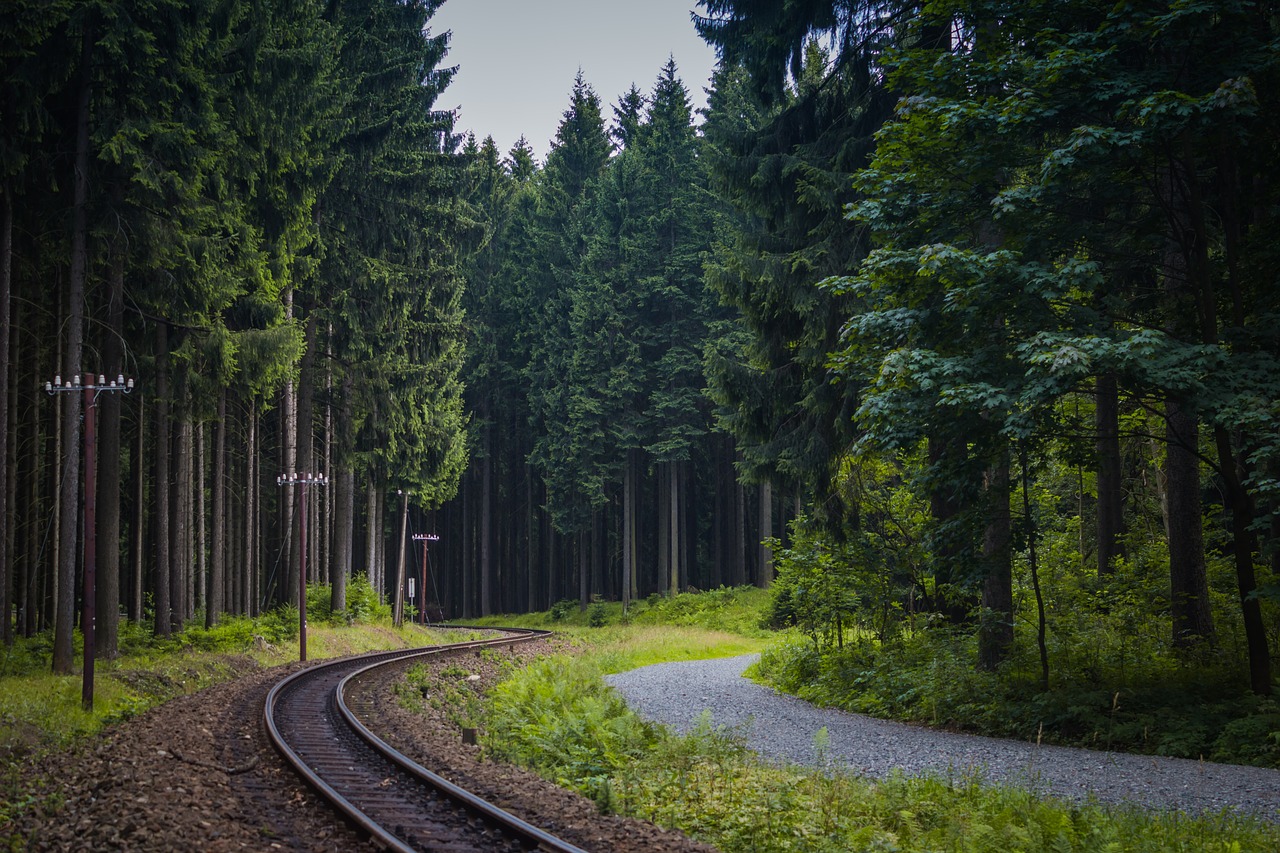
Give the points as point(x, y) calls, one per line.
point(782, 728)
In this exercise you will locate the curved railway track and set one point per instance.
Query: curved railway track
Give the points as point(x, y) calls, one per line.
point(399, 803)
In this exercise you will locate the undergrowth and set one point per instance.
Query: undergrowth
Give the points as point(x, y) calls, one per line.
point(1116, 679)
point(560, 719)
point(40, 710)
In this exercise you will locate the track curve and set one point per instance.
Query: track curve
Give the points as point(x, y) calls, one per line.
point(399, 803)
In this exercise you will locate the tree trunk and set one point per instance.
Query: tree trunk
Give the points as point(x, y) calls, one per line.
point(398, 616)
point(6, 505)
point(995, 632)
point(304, 458)
point(289, 521)
point(65, 607)
point(110, 425)
point(673, 526)
point(1189, 585)
point(531, 545)
point(765, 578)
point(486, 525)
point(1109, 475)
point(251, 583)
point(343, 537)
point(950, 595)
point(345, 520)
point(628, 531)
point(583, 538)
point(1240, 505)
point(179, 549)
point(163, 619)
point(201, 539)
point(139, 512)
point(371, 534)
point(218, 562)
point(739, 532)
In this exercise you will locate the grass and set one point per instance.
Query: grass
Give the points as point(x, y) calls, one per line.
point(558, 718)
point(40, 710)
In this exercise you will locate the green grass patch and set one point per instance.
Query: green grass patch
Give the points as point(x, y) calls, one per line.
point(40, 710)
point(559, 718)
point(733, 610)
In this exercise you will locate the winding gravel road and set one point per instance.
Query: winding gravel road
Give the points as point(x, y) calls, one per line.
point(782, 728)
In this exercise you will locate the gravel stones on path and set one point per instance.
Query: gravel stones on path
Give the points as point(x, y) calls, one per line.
point(783, 728)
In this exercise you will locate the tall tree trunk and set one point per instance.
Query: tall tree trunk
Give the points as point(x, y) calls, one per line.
point(344, 521)
point(218, 557)
point(628, 531)
point(371, 535)
point(201, 539)
point(486, 525)
point(35, 497)
point(950, 596)
point(304, 460)
point(343, 537)
point(583, 538)
point(180, 520)
point(995, 631)
point(160, 498)
point(1109, 475)
point(765, 578)
point(110, 425)
point(1240, 505)
point(289, 522)
point(740, 532)
point(7, 513)
point(65, 608)
point(1189, 585)
point(251, 584)
point(139, 512)
point(673, 535)
point(531, 545)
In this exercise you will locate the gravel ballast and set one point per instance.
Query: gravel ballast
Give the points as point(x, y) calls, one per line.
point(782, 728)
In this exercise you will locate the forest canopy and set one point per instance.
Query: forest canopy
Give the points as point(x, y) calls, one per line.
point(953, 319)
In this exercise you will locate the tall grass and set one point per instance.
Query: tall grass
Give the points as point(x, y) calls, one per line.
point(560, 719)
point(40, 710)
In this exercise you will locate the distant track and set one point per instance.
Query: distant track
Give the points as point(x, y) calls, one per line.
point(399, 803)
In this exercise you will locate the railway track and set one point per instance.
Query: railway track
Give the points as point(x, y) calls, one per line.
point(400, 804)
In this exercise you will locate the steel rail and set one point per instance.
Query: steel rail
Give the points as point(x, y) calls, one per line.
point(347, 669)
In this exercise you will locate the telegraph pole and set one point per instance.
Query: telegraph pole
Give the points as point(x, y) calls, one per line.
point(293, 478)
point(91, 387)
point(424, 538)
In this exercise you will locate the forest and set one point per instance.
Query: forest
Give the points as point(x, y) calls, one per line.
point(953, 317)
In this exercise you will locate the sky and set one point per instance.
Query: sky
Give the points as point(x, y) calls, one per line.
point(517, 59)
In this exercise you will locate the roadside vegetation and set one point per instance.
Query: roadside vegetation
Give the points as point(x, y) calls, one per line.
point(1110, 675)
point(558, 718)
point(41, 710)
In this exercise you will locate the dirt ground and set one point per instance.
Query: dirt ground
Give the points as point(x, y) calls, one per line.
point(197, 773)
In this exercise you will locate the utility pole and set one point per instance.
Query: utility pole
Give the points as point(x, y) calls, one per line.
point(91, 387)
point(293, 478)
point(424, 538)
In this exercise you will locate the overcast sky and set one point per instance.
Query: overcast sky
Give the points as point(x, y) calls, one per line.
point(517, 59)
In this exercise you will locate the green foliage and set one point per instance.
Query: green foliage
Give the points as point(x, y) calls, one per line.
point(1163, 707)
point(735, 610)
point(557, 718)
point(362, 602)
point(562, 609)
